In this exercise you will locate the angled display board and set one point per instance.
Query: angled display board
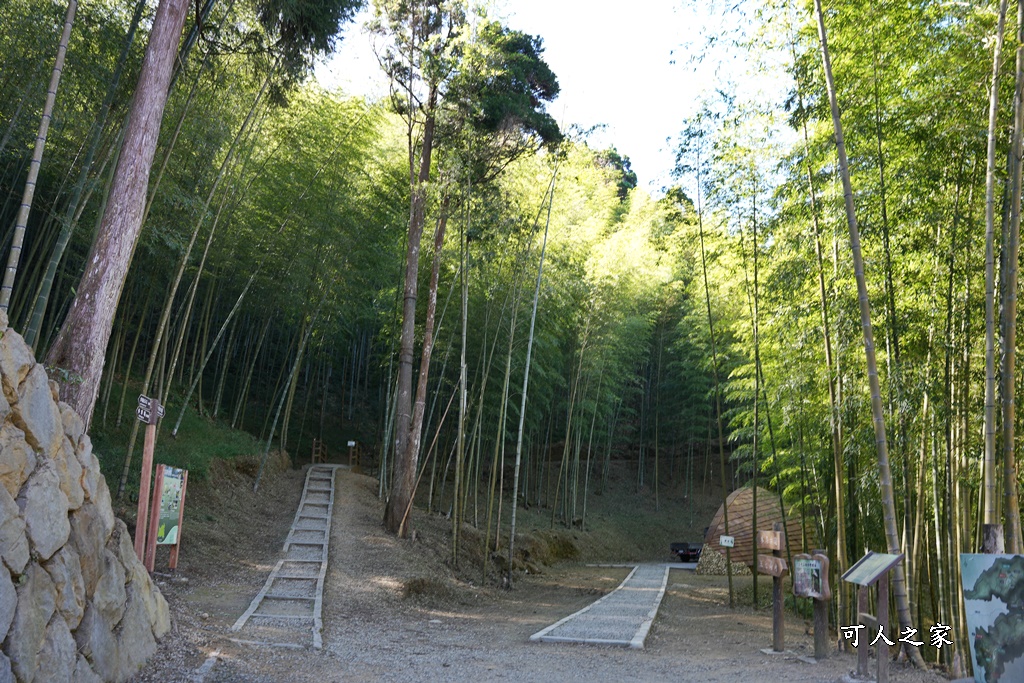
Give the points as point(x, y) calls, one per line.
point(870, 568)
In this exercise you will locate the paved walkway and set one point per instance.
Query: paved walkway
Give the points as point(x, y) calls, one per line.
point(623, 617)
point(286, 613)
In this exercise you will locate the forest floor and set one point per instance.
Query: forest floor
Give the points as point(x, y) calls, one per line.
point(395, 610)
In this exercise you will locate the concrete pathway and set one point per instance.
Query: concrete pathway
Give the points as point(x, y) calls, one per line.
point(286, 612)
point(623, 617)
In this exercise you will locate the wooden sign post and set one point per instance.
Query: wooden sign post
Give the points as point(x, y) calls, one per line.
point(810, 580)
point(872, 569)
point(154, 518)
point(148, 412)
point(775, 566)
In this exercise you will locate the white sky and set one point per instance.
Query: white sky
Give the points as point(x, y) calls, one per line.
point(614, 63)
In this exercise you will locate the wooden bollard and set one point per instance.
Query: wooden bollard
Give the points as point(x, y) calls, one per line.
point(778, 618)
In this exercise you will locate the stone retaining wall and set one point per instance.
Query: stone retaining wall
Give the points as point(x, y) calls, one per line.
point(75, 602)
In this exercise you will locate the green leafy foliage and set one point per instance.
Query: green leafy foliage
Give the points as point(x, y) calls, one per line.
point(304, 29)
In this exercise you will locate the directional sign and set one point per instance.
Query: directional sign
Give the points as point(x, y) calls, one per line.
point(769, 540)
point(727, 541)
point(772, 566)
point(149, 410)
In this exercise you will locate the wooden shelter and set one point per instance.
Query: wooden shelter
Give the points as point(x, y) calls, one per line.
point(741, 524)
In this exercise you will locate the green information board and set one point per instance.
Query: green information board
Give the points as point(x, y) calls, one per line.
point(170, 506)
point(807, 577)
point(870, 568)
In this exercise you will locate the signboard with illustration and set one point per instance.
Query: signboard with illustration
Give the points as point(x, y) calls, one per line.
point(170, 506)
point(166, 514)
point(806, 577)
point(994, 603)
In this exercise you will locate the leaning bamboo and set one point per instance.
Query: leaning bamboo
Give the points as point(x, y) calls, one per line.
point(878, 416)
point(526, 382)
point(37, 159)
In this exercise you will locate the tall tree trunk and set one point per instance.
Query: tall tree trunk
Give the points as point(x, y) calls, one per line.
point(213, 347)
point(878, 414)
point(71, 212)
point(406, 457)
point(458, 502)
point(989, 468)
point(33, 172)
point(892, 328)
point(420, 403)
point(832, 375)
point(243, 394)
point(1012, 531)
point(82, 341)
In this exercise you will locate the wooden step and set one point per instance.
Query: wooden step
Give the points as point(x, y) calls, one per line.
point(278, 596)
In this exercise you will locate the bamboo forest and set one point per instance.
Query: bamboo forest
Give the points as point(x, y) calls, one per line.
point(484, 312)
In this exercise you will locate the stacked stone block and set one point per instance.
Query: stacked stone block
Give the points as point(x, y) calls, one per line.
point(76, 604)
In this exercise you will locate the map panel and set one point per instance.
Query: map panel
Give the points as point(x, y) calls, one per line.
point(994, 602)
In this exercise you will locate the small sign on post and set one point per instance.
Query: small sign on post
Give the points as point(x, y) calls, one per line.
point(775, 566)
point(727, 541)
point(870, 570)
point(769, 540)
point(810, 580)
point(148, 412)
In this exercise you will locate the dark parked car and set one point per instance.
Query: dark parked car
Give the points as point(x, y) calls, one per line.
point(687, 552)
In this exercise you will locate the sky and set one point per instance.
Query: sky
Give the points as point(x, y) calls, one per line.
point(629, 71)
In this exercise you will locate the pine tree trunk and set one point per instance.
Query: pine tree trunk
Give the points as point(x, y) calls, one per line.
point(82, 341)
point(405, 456)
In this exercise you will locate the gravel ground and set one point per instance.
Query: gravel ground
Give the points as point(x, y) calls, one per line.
point(395, 611)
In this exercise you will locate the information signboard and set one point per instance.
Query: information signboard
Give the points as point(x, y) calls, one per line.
point(807, 577)
point(727, 541)
point(992, 586)
point(170, 506)
point(868, 569)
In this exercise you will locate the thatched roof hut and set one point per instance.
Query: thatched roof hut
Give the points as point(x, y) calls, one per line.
point(741, 524)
